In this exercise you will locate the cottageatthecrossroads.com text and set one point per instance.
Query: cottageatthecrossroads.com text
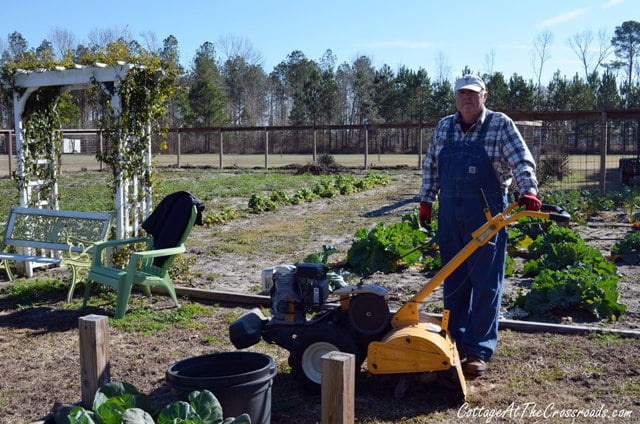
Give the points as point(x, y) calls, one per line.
point(531, 410)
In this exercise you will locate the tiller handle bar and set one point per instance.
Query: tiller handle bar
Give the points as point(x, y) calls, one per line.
point(408, 313)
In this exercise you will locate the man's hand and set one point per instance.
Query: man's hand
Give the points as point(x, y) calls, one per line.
point(530, 202)
point(424, 216)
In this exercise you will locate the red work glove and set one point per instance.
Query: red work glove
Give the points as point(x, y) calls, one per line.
point(530, 202)
point(424, 216)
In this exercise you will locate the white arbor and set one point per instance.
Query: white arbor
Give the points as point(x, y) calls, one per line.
point(133, 194)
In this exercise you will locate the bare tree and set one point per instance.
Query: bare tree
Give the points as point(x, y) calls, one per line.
point(539, 56)
point(105, 36)
point(231, 46)
point(63, 40)
point(443, 67)
point(150, 42)
point(490, 61)
point(590, 57)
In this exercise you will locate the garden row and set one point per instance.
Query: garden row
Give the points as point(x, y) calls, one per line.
point(326, 188)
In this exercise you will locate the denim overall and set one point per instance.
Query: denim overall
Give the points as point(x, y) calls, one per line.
point(472, 293)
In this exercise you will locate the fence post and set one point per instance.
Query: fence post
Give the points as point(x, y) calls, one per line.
point(221, 163)
point(420, 142)
point(179, 148)
point(315, 144)
point(266, 148)
point(338, 388)
point(94, 355)
point(366, 146)
point(604, 143)
point(100, 147)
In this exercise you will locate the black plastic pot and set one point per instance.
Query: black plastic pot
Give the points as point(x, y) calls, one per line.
point(240, 380)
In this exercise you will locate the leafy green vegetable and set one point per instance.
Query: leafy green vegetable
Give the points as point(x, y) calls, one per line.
point(221, 216)
point(544, 242)
point(206, 405)
point(577, 287)
point(124, 395)
point(79, 415)
point(570, 274)
point(280, 196)
point(261, 203)
point(322, 257)
point(628, 249)
point(303, 195)
point(325, 189)
point(385, 249)
point(563, 255)
point(179, 412)
point(136, 416)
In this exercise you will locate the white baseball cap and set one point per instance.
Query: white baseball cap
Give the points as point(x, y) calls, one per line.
point(470, 82)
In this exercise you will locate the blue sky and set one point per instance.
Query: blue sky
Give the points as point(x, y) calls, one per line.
point(413, 33)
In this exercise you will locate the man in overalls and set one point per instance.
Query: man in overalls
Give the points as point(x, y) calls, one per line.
point(471, 150)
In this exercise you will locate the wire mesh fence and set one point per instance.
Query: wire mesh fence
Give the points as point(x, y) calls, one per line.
point(570, 153)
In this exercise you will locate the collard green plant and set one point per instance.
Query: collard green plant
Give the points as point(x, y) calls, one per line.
point(121, 394)
point(303, 195)
point(385, 249)
point(221, 216)
point(523, 232)
point(325, 189)
point(577, 287)
point(628, 249)
point(321, 257)
point(545, 240)
point(261, 203)
point(569, 274)
point(564, 255)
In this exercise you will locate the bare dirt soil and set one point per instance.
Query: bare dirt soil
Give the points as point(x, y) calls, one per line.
point(534, 377)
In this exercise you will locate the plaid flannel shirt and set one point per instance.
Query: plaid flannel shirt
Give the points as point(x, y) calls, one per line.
point(504, 144)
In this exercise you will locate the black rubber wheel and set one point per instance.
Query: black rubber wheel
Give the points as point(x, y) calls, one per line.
point(305, 358)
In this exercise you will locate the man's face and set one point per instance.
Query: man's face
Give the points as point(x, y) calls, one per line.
point(470, 103)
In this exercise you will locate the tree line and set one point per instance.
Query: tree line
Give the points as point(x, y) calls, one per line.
point(226, 84)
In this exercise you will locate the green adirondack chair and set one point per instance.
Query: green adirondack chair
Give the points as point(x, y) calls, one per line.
point(142, 269)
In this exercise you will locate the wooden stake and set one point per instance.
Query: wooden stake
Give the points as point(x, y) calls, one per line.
point(94, 355)
point(338, 388)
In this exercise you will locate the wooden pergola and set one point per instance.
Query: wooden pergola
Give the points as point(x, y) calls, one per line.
point(129, 210)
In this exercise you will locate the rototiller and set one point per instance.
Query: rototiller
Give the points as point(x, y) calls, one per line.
point(405, 342)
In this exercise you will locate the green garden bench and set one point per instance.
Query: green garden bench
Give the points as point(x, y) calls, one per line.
point(52, 237)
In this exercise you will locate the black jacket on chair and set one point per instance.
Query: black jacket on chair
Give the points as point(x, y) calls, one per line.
point(168, 220)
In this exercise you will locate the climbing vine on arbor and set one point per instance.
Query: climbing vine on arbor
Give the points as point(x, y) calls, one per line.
point(127, 131)
point(41, 143)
